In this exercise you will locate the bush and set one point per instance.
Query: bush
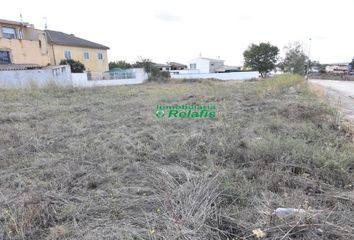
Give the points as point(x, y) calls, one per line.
point(158, 76)
point(119, 64)
point(155, 75)
point(75, 66)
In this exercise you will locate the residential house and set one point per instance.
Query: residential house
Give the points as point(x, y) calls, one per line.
point(22, 44)
point(163, 67)
point(206, 65)
point(177, 66)
point(170, 66)
point(68, 46)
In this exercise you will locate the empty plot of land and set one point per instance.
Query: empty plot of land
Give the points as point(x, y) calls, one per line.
point(98, 164)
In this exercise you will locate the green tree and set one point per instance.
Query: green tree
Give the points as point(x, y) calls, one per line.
point(315, 64)
point(75, 66)
point(261, 57)
point(120, 64)
point(154, 72)
point(147, 64)
point(352, 65)
point(295, 60)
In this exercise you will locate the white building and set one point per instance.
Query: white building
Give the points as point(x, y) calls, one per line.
point(206, 65)
point(208, 68)
point(338, 68)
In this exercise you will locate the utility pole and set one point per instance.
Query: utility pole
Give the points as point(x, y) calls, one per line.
point(309, 47)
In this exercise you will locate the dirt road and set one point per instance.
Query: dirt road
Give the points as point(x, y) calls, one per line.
point(340, 94)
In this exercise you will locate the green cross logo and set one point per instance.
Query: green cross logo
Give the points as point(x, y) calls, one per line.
point(160, 113)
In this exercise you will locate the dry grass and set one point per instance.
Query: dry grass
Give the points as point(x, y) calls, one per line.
point(97, 163)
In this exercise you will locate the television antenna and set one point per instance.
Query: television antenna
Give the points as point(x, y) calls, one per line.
point(45, 23)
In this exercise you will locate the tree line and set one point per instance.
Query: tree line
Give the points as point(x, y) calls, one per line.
point(264, 58)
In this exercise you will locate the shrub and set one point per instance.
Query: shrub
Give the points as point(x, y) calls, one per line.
point(119, 64)
point(75, 66)
point(155, 75)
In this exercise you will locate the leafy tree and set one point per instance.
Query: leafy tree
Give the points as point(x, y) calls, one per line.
point(323, 68)
point(120, 64)
point(154, 72)
point(147, 64)
point(75, 66)
point(261, 57)
point(315, 64)
point(295, 60)
point(352, 65)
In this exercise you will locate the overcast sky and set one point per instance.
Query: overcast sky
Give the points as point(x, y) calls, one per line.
point(179, 30)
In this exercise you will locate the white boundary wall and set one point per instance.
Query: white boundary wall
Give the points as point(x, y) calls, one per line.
point(80, 80)
point(221, 76)
point(59, 75)
point(62, 76)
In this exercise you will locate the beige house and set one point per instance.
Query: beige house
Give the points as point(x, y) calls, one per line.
point(21, 43)
point(68, 46)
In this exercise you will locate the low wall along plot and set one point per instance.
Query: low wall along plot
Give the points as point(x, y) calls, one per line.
point(81, 79)
point(221, 76)
point(62, 76)
point(59, 75)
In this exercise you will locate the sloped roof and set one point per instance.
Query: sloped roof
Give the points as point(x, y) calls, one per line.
point(60, 38)
point(162, 65)
point(177, 64)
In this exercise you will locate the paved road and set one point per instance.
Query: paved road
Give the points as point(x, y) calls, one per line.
point(340, 94)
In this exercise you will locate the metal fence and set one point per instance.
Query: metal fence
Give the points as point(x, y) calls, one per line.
point(111, 75)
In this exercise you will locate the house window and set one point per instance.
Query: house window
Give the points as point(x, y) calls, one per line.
point(5, 57)
point(86, 56)
point(100, 56)
point(8, 32)
point(67, 54)
point(193, 66)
